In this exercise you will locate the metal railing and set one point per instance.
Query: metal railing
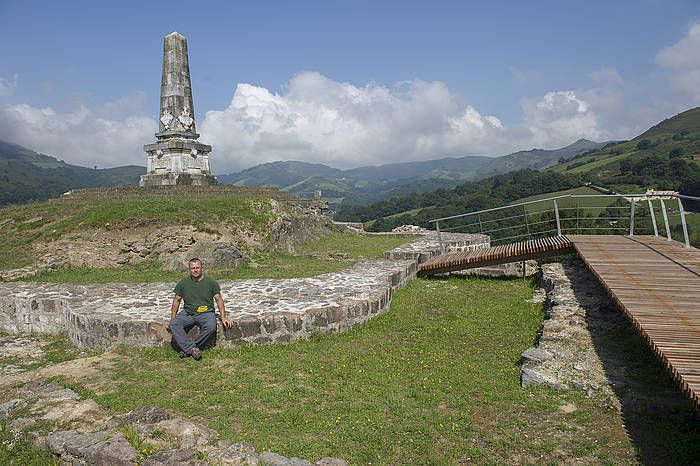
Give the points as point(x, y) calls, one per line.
point(576, 214)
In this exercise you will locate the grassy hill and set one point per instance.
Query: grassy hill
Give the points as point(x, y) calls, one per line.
point(26, 175)
point(369, 184)
point(658, 158)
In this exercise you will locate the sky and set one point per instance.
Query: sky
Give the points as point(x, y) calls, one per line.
point(345, 83)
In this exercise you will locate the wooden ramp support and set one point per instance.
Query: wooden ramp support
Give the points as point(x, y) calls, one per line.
point(514, 252)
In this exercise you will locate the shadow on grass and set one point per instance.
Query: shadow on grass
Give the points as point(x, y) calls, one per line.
point(660, 421)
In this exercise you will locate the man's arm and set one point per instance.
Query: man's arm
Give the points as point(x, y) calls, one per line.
point(222, 310)
point(176, 306)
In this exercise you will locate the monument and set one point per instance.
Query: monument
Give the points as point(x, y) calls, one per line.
point(177, 157)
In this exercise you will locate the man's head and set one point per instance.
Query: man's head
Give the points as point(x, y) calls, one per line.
point(195, 268)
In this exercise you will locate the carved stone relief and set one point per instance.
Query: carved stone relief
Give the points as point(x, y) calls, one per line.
point(166, 119)
point(185, 118)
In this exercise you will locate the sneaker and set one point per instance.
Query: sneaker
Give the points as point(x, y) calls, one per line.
point(182, 354)
point(196, 353)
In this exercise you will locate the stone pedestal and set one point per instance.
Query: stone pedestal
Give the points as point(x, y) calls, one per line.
point(177, 157)
point(178, 161)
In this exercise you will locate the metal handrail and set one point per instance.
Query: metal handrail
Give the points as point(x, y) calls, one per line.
point(633, 200)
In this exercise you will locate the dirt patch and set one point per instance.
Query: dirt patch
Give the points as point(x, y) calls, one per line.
point(76, 369)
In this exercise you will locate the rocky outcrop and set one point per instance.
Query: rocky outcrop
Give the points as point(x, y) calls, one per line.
point(294, 227)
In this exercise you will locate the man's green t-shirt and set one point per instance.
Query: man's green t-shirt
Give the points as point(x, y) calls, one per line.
point(198, 296)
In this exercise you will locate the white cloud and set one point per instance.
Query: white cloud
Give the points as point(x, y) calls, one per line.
point(80, 137)
point(682, 63)
point(683, 54)
point(343, 125)
point(560, 118)
point(315, 119)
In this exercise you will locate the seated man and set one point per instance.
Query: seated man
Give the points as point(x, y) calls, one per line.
point(199, 293)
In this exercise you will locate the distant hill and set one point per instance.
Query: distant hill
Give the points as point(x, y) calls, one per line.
point(27, 175)
point(539, 159)
point(372, 183)
point(659, 158)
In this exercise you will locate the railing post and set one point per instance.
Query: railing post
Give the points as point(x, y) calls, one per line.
point(556, 214)
point(527, 226)
point(437, 227)
point(632, 216)
point(578, 230)
point(668, 228)
point(685, 226)
point(653, 218)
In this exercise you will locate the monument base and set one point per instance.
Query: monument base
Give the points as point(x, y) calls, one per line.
point(177, 179)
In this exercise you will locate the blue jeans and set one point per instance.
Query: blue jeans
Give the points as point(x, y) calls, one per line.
point(183, 323)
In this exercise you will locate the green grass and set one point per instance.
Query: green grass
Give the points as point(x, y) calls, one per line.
point(593, 161)
point(16, 449)
point(316, 258)
point(59, 218)
point(435, 380)
point(579, 190)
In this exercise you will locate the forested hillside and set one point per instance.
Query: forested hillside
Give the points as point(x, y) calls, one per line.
point(490, 192)
point(26, 175)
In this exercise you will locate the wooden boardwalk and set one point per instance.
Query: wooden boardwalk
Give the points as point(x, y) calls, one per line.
point(655, 282)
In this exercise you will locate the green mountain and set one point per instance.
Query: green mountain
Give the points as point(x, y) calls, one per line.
point(539, 159)
point(372, 183)
point(26, 175)
point(660, 158)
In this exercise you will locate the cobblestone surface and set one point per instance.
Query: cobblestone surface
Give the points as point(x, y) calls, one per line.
point(263, 311)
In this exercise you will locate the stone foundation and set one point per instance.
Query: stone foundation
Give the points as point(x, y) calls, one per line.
point(565, 355)
point(263, 311)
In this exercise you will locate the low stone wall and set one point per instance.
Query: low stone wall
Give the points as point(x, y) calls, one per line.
point(263, 311)
point(565, 355)
point(429, 246)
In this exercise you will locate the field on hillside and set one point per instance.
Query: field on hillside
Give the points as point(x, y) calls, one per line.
point(434, 380)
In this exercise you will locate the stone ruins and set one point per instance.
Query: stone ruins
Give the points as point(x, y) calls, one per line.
point(263, 310)
point(177, 158)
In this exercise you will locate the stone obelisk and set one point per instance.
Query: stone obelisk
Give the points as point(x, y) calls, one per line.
point(177, 157)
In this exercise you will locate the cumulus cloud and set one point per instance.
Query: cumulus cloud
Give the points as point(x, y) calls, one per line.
point(682, 62)
point(319, 120)
point(559, 118)
point(316, 119)
point(81, 137)
point(684, 53)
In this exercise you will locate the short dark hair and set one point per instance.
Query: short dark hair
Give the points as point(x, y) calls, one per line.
point(194, 259)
